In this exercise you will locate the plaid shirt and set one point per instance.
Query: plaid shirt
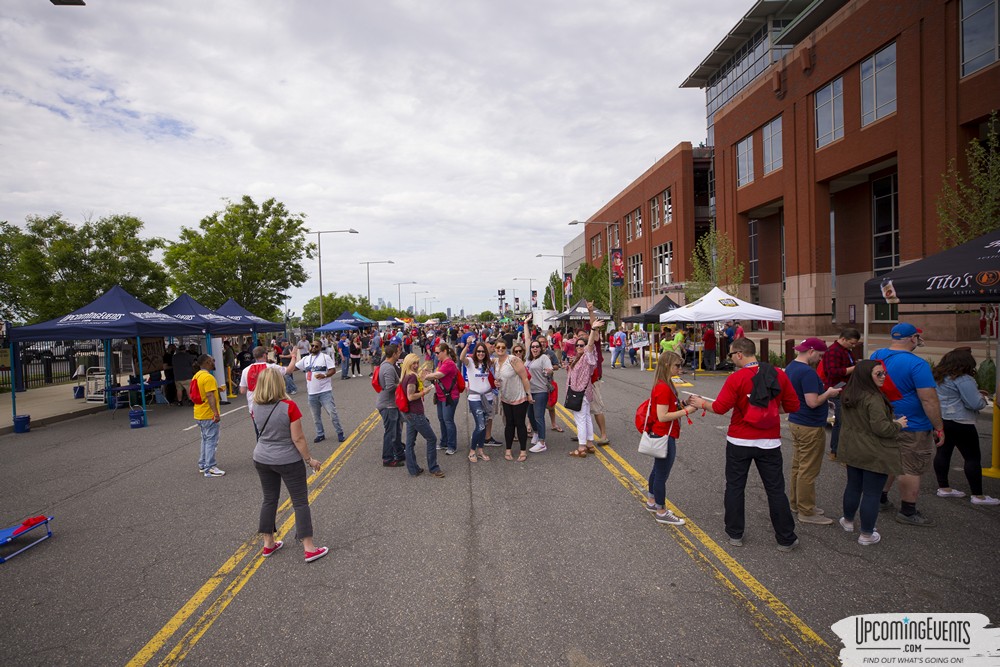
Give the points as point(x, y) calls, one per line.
point(836, 361)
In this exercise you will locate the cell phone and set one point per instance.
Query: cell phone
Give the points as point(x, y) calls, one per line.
point(839, 385)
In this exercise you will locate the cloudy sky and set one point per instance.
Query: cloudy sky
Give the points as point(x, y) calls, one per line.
point(458, 137)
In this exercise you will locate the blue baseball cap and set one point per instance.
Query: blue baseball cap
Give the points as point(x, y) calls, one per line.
point(904, 330)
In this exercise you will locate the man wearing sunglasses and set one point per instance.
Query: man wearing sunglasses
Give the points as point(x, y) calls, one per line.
point(924, 430)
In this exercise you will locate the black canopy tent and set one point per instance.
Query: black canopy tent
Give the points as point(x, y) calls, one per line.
point(652, 316)
point(968, 273)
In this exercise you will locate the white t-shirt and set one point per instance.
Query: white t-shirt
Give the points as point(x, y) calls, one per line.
point(478, 382)
point(315, 364)
point(249, 378)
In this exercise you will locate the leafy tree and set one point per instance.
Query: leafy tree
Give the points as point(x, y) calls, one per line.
point(56, 267)
point(333, 305)
point(591, 283)
point(438, 316)
point(969, 208)
point(713, 263)
point(554, 297)
point(10, 295)
point(487, 316)
point(250, 252)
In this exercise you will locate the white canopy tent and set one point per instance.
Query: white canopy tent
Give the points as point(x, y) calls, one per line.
point(717, 306)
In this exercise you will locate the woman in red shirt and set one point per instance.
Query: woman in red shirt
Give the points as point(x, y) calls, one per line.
point(668, 412)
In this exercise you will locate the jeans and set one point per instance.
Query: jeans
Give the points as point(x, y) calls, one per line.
point(513, 421)
point(864, 490)
point(392, 442)
point(294, 476)
point(966, 438)
point(419, 424)
point(446, 419)
point(835, 435)
point(290, 383)
point(478, 410)
point(209, 441)
point(345, 366)
point(318, 403)
point(769, 466)
point(536, 413)
point(661, 471)
point(619, 353)
point(632, 351)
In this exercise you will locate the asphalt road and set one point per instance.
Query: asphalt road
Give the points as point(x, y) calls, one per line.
point(550, 562)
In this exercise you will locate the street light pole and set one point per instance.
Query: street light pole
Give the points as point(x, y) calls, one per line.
point(425, 291)
point(606, 224)
point(368, 269)
point(399, 293)
point(319, 249)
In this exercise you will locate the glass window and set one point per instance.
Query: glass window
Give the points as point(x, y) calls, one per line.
point(663, 257)
point(654, 212)
point(980, 41)
point(885, 237)
point(637, 218)
point(668, 206)
point(830, 113)
point(628, 228)
point(754, 263)
point(772, 145)
point(744, 161)
point(878, 85)
point(635, 276)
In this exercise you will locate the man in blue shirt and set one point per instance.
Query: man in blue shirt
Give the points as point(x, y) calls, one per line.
point(924, 430)
point(344, 348)
point(808, 427)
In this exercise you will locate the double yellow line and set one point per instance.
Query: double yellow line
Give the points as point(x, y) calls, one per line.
point(776, 622)
point(317, 482)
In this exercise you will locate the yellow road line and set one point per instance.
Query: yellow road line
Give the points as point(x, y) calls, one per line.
point(778, 608)
point(160, 639)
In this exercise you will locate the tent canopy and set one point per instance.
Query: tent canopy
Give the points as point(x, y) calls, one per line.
point(235, 311)
point(365, 321)
point(652, 316)
point(969, 273)
point(335, 326)
point(187, 309)
point(717, 306)
point(114, 314)
point(578, 312)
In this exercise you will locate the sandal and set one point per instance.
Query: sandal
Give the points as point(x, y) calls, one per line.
point(522, 458)
point(472, 457)
point(508, 456)
point(591, 449)
point(579, 453)
point(558, 429)
point(483, 456)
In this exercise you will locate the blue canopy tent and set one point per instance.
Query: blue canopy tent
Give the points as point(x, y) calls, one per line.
point(186, 308)
point(365, 321)
point(336, 326)
point(235, 311)
point(115, 314)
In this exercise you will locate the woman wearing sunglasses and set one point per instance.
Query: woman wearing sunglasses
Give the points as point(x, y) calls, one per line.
point(515, 397)
point(578, 378)
point(480, 400)
point(867, 447)
point(540, 367)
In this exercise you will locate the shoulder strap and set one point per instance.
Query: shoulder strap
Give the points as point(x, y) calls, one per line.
point(261, 430)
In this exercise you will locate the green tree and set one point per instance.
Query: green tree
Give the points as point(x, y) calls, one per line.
point(57, 267)
point(970, 207)
point(440, 315)
point(250, 252)
point(713, 263)
point(554, 297)
point(333, 305)
point(487, 316)
point(10, 295)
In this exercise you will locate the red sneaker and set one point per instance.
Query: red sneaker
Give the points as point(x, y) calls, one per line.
point(316, 555)
point(267, 552)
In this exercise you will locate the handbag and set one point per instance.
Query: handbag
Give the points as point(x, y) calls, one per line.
point(574, 399)
point(651, 445)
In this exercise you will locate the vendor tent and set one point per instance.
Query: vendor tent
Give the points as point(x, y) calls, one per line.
point(187, 309)
point(347, 318)
point(365, 321)
point(235, 311)
point(652, 316)
point(578, 312)
point(335, 326)
point(717, 306)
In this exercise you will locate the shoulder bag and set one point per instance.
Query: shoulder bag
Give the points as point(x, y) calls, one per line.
point(651, 445)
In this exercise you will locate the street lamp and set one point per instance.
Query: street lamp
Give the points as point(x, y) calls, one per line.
point(428, 300)
point(562, 277)
point(606, 224)
point(319, 248)
point(423, 291)
point(368, 269)
point(399, 293)
point(529, 289)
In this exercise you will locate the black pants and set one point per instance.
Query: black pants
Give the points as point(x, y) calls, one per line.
point(356, 365)
point(513, 418)
point(294, 476)
point(966, 438)
point(769, 466)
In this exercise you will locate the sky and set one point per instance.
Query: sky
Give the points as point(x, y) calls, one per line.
point(458, 138)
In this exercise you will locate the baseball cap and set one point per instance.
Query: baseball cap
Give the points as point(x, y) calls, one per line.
point(811, 344)
point(904, 330)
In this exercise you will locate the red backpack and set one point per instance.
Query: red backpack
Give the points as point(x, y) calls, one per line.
point(376, 383)
point(460, 383)
point(402, 402)
point(194, 392)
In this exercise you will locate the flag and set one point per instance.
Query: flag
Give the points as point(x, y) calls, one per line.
point(617, 267)
point(568, 286)
point(534, 299)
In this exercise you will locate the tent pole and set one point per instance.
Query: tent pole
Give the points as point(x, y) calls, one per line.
point(864, 335)
point(107, 371)
point(142, 385)
point(13, 392)
point(994, 469)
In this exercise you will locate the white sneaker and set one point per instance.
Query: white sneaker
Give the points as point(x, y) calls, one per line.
point(848, 526)
point(874, 538)
point(214, 472)
point(540, 447)
point(985, 500)
point(950, 493)
point(534, 439)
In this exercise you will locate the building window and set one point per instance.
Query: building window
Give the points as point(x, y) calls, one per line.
point(878, 85)
point(663, 258)
point(753, 231)
point(628, 228)
point(980, 34)
point(885, 237)
point(614, 238)
point(744, 162)
point(635, 276)
point(637, 217)
point(595, 246)
point(830, 113)
point(668, 206)
point(772, 145)
point(654, 212)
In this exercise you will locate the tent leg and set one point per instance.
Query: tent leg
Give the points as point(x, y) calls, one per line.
point(13, 392)
point(142, 384)
point(864, 335)
point(994, 469)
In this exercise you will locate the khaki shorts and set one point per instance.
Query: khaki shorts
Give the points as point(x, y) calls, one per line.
point(597, 403)
point(916, 451)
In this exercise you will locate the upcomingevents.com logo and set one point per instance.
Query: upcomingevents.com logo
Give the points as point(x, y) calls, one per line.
point(918, 639)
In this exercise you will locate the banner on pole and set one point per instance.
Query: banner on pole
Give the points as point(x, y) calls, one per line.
point(617, 267)
point(534, 299)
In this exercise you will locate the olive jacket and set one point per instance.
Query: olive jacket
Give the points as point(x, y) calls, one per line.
point(868, 437)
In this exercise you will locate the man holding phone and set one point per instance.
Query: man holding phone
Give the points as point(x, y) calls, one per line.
point(808, 426)
point(838, 364)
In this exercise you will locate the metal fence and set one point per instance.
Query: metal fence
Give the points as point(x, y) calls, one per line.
point(47, 362)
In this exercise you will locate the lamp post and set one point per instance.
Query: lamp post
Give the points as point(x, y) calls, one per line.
point(368, 269)
point(424, 291)
point(606, 224)
point(319, 249)
point(428, 300)
point(529, 289)
point(399, 293)
point(562, 278)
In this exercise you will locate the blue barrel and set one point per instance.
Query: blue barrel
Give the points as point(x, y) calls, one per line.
point(78, 392)
point(136, 418)
point(22, 423)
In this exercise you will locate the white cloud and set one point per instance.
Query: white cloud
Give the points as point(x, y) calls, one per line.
point(459, 138)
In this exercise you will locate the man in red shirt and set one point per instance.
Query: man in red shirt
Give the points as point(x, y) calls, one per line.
point(754, 442)
point(708, 339)
point(838, 364)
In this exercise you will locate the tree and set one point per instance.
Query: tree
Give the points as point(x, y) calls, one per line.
point(487, 316)
point(713, 263)
point(249, 252)
point(333, 306)
point(970, 207)
point(554, 298)
point(440, 315)
point(10, 295)
point(57, 267)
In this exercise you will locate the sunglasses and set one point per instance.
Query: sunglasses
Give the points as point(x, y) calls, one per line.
point(880, 374)
point(581, 345)
point(518, 351)
point(536, 346)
